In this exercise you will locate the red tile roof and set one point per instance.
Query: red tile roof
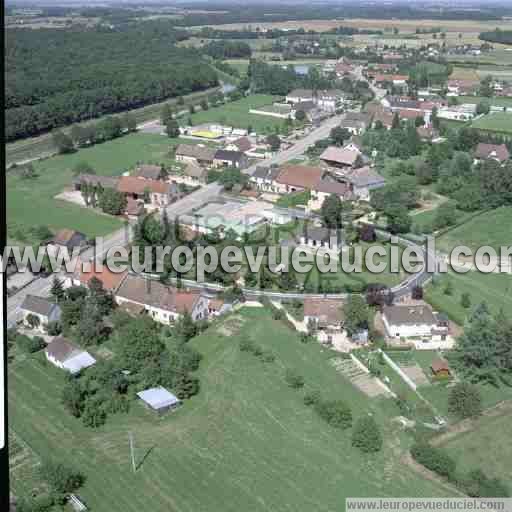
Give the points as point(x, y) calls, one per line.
point(302, 176)
point(110, 280)
point(497, 151)
point(134, 185)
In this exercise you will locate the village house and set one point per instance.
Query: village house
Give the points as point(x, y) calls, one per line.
point(227, 158)
point(498, 152)
point(100, 182)
point(43, 309)
point(329, 100)
point(242, 144)
point(163, 303)
point(343, 68)
point(66, 239)
point(217, 307)
point(362, 181)
point(396, 80)
point(66, 356)
point(82, 277)
point(148, 172)
point(157, 193)
point(340, 157)
point(299, 96)
point(134, 208)
point(464, 112)
point(319, 237)
point(356, 122)
point(196, 153)
point(264, 178)
point(325, 316)
point(414, 321)
point(385, 118)
point(324, 189)
point(296, 178)
point(194, 174)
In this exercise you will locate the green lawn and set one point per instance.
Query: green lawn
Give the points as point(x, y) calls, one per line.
point(494, 289)
point(246, 442)
point(495, 101)
point(32, 202)
point(490, 228)
point(236, 114)
point(487, 447)
point(499, 122)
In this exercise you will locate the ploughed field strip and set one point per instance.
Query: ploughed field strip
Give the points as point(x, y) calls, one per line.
point(360, 379)
point(410, 367)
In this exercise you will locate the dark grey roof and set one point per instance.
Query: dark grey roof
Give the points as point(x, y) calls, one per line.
point(409, 315)
point(93, 179)
point(266, 173)
point(38, 305)
point(62, 349)
point(150, 172)
point(196, 151)
point(321, 234)
point(305, 106)
point(364, 177)
point(231, 156)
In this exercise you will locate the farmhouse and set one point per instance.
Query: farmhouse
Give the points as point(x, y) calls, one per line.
point(159, 399)
point(163, 303)
point(407, 321)
point(264, 177)
point(95, 181)
point(227, 158)
point(198, 154)
point(243, 144)
point(356, 122)
point(363, 181)
point(194, 174)
point(299, 95)
point(160, 193)
point(296, 178)
point(338, 157)
point(324, 189)
point(68, 239)
point(41, 308)
point(498, 152)
point(148, 172)
point(63, 354)
point(324, 314)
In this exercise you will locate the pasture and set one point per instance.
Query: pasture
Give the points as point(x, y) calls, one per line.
point(500, 122)
point(236, 114)
point(31, 202)
point(246, 442)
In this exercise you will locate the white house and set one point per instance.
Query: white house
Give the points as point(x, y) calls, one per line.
point(318, 237)
point(67, 356)
point(163, 303)
point(41, 308)
point(418, 321)
point(264, 178)
point(299, 96)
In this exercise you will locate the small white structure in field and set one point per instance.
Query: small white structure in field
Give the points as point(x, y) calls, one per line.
point(159, 399)
point(67, 356)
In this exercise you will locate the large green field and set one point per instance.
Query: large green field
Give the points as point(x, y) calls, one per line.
point(487, 446)
point(236, 114)
point(494, 289)
point(495, 101)
point(490, 228)
point(246, 442)
point(500, 122)
point(32, 202)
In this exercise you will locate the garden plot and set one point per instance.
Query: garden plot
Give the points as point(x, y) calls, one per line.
point(405, 360)
point(359, 378)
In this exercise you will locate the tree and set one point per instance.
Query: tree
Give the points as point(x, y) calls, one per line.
point(73, 397)
point(33, 321)
point(57, 289)
point(94, 414)
point(62, 142)
point(166, 115)
point(335, 412)
point(129, 122)
point(434, 119)
point(486, 89)
point(61, 479)
point(465, 400)
point(398, 219)
point(356, 314)
point(433, 458)
point(204, 104)
point(80, 135)
point(395, 124)
point(294, 379)
point(274, 142)
point(331, 211)
point(83, 168)
point(300, 115)
point(483, 107)
point(191, 109)
point(90, 325)
point(172, 128)
point(112, 201)
point(417, 293)
point(367, 233)
point(366, 435)
point(231, 177)
point(338, 135)
point(465, 300)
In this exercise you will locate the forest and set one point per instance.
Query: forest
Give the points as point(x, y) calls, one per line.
point(57, 77)
point(497, 36)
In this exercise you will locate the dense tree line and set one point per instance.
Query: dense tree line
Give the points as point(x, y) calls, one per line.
point(228, 50)
point(56, 77)
point(497, 36)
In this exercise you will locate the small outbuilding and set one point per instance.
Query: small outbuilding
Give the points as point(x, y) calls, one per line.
point(159, 399)
point(440, 368)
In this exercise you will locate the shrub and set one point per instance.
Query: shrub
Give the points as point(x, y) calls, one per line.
point(54, 328)
point(478, 485)
point(293, 379)
point(246, 345)
point(366, 435)
point(30, 345)
point(277, 314)
point(434, 459)
point(335, 412)
point(464, 400)
point(311, 397)
point(268, 357)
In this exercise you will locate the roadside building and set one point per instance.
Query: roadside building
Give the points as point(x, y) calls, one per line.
point(320, 237)
point(296, 178)
point(340, 157)
point(264, 178)
point(157, 193)
point(196, 153)
point(40, 307)
point(408, 321)
point(325, 316)
point(148, 172)
point(227, 158)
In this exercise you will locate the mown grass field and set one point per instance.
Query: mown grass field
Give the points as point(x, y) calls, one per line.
point(494, 289)
point(236, 114)
point(490, 228)
point(487, 446)
point(246, 442)
point(494, 102)
point(500, 122)
point(31, 202)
